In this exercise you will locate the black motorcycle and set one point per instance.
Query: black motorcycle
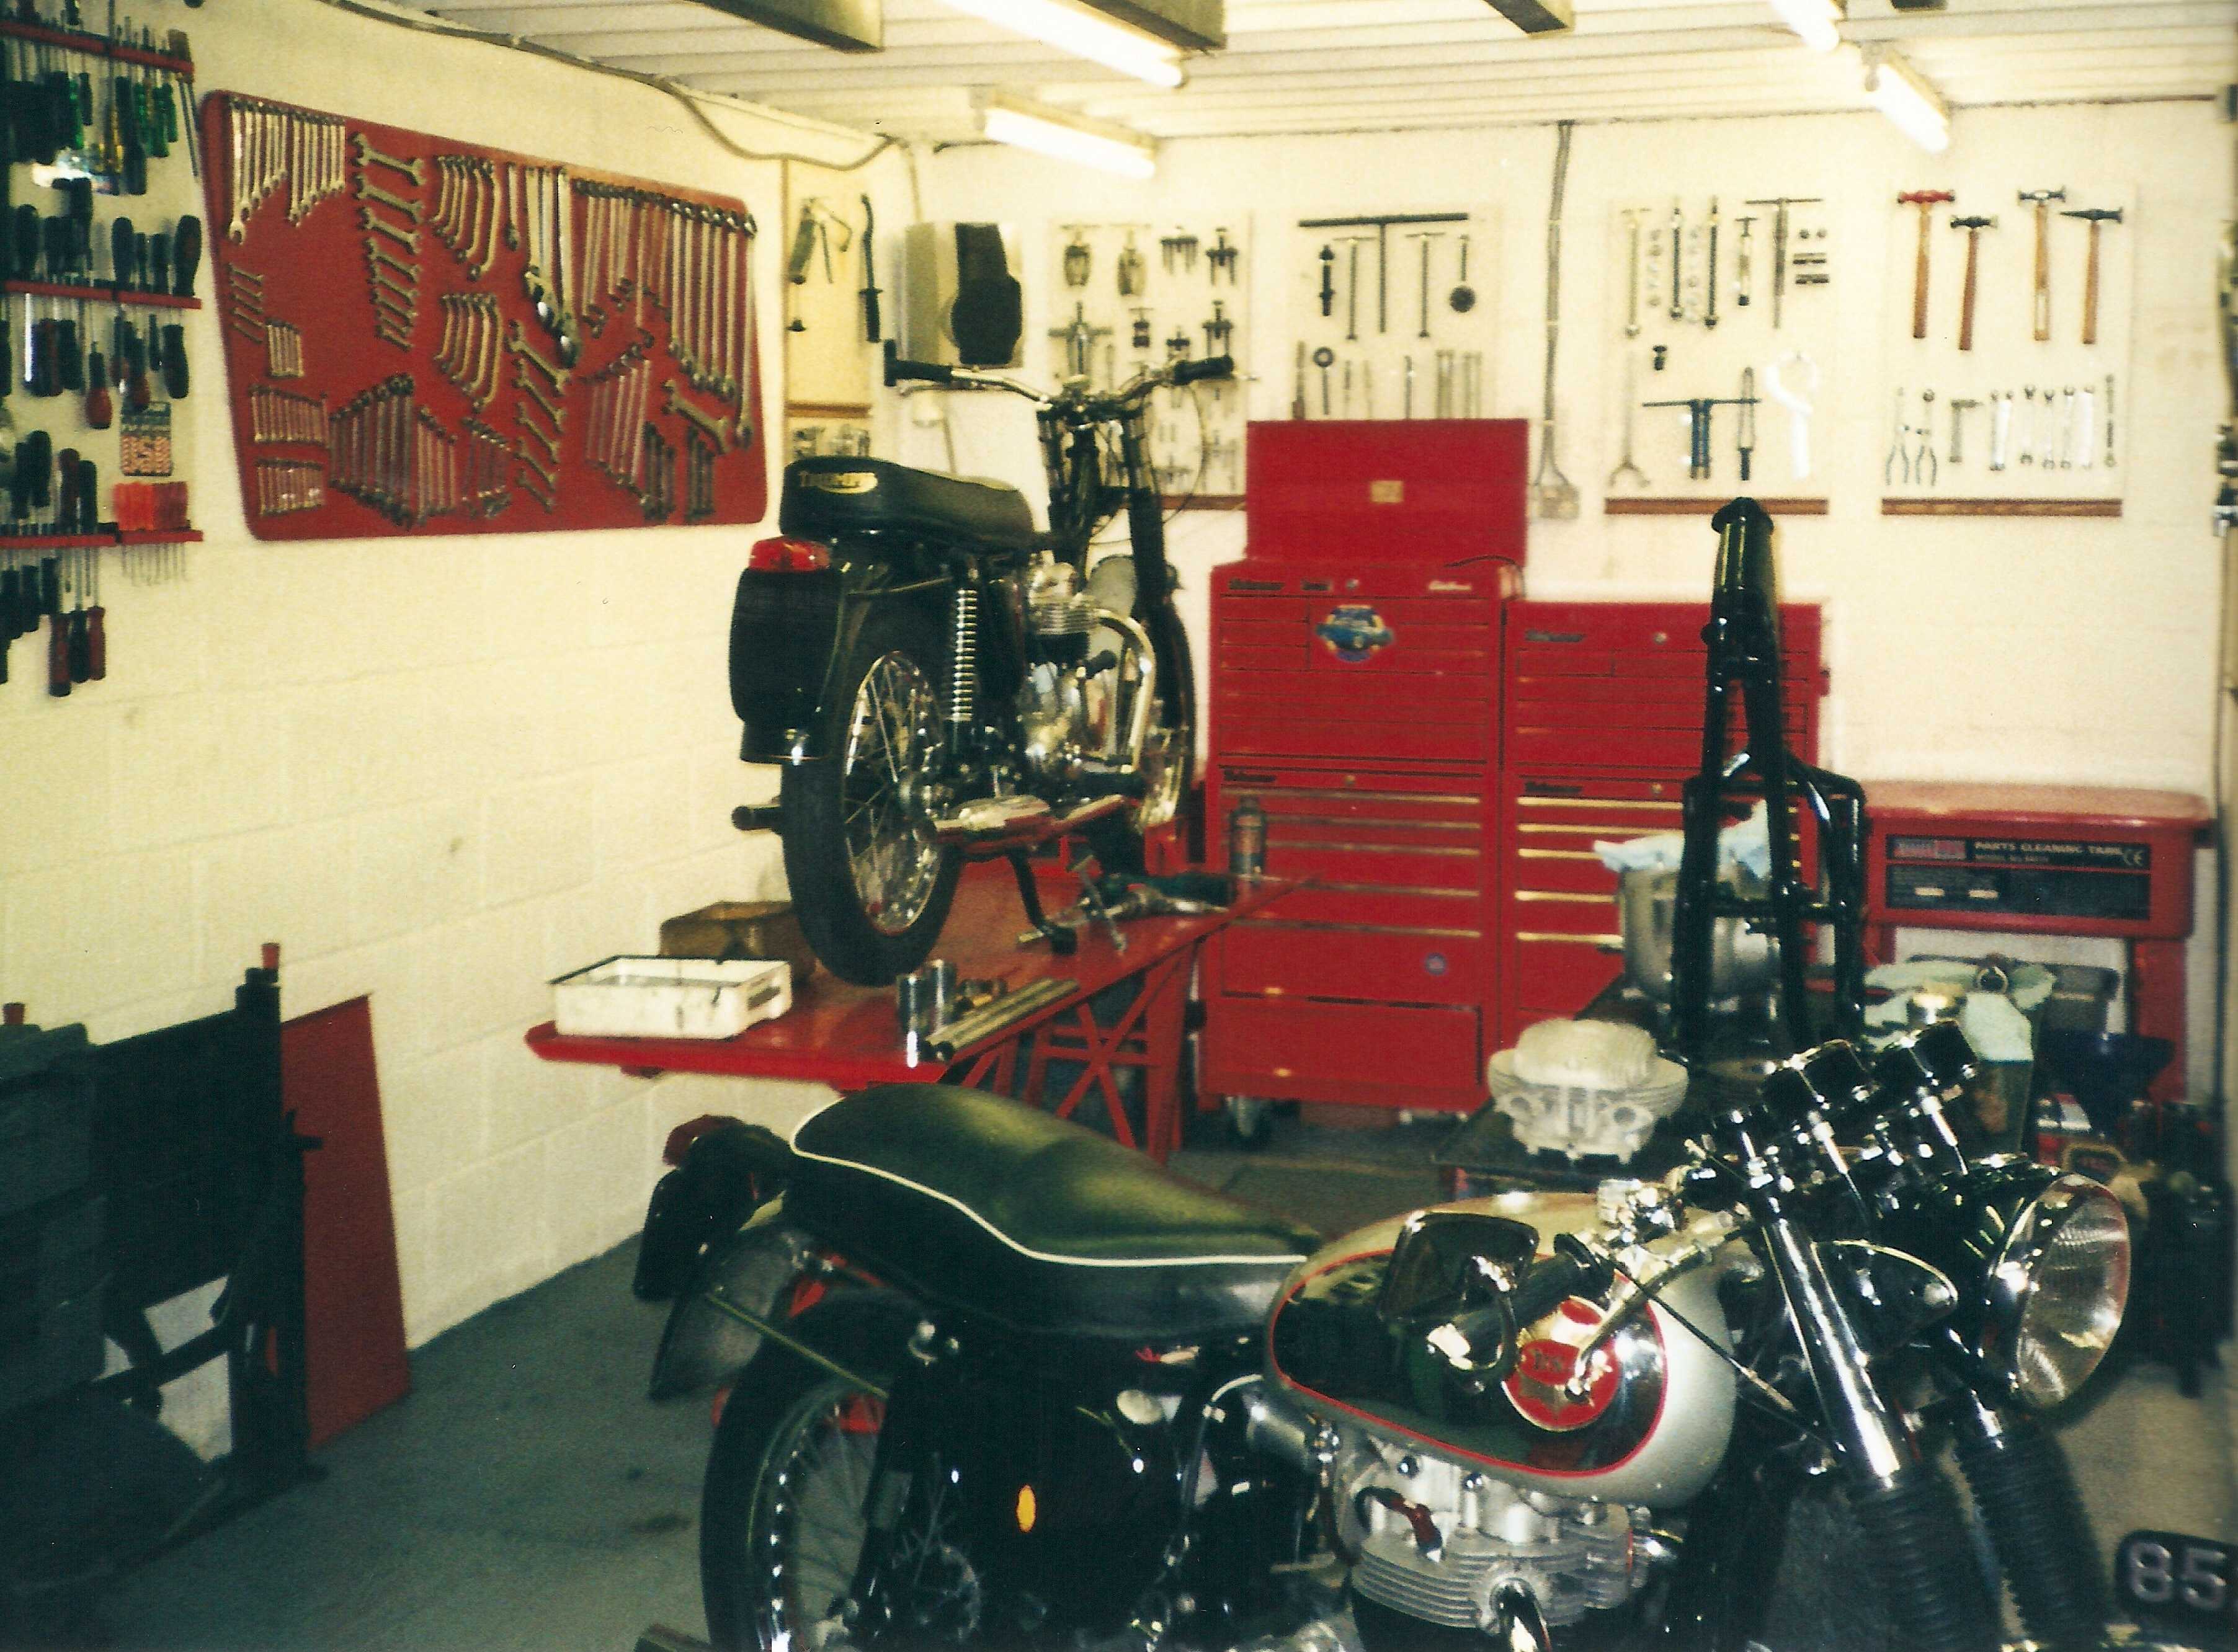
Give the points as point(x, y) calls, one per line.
point(941, 681)
point(1005, 1384)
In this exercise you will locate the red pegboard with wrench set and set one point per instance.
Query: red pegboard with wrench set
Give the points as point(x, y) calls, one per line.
point(423, 337)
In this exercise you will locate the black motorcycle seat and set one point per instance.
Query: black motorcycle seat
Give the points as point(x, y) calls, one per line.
point(829, 496)
point(973, 1201)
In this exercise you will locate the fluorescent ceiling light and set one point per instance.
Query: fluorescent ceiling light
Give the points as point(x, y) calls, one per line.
point(1084, 33)
point(1816, 21)
point(1068, 136)
point(1899, 92)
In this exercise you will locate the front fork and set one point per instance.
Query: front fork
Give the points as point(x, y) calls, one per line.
point(1915, 1540)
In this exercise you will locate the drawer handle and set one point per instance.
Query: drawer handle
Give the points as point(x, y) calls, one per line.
point(1557, 854)
point(1532, 800)
point(1561, 895)
point(1599, 942)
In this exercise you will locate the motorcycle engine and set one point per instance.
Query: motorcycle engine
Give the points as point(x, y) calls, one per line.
point(1054, 726)
point(1437, 1540)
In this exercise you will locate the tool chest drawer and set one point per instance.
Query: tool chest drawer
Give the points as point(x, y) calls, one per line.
point(1370, 963)
point(1381, 1055)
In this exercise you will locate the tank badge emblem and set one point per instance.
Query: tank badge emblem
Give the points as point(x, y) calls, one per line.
point(1540, 1386)
point(1354, 631)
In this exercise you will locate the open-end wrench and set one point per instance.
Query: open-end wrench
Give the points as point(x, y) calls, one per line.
point(368, 190)
point(551, 443)
point(446, 350)
point(2001, 428)
point(719, 429)
point(2066, 428)
point(517, 341)
point(382, 278)
point(446, 197)
point(2027, 424)
point(479, 218)
point(374, 221)
point(369, 156)
point(382, 255)
point(554, 410)
point(521, 452)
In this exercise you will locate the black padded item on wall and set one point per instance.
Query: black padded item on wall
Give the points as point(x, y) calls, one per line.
point(989, 312)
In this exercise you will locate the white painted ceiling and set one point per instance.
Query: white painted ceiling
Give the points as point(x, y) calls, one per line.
point(1361, 65)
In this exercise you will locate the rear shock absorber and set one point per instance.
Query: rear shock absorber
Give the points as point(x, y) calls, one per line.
point(963, 658)
point(2021, 1485)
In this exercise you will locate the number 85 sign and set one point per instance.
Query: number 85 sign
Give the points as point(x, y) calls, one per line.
point(2165, 1574)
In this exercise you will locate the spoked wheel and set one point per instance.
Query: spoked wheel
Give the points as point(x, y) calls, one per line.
point(872, 887)
point(783, 1515)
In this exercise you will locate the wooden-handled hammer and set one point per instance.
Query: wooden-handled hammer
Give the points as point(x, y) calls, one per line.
point(1973, 227)
point(2041, 200)
point(1926, 201)
point(2094, 216)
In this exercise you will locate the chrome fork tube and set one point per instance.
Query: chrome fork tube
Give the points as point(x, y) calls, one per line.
point(1871, 1433)
point(1143, 690)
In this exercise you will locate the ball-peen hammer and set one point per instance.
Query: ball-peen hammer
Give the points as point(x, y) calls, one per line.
point(1973, 227)
point(2041, 200)
point(1926, 201)
point(2094, 216)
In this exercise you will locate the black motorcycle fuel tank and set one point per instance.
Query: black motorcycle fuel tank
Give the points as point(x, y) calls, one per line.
point(1651, 1424)
point(1056, 1478)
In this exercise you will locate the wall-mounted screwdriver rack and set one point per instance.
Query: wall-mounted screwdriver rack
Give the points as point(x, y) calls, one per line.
point(518, 345)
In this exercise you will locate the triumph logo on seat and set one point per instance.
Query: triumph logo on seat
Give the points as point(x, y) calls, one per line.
point(841, 481)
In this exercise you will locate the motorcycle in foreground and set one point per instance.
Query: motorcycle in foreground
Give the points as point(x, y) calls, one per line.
point(941, 681)
point(1011, 1384)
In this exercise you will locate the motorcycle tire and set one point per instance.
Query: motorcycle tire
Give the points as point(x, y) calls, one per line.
point(870, 890)
point(782, 1518)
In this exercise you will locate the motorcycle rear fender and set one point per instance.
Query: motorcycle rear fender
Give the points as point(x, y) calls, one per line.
point(726, 1174)
point(789, 634)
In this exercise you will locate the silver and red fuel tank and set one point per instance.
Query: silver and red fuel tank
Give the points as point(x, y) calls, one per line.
point(1649, 1425)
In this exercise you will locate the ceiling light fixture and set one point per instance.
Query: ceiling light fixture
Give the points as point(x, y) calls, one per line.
point(1816, 22)
point(1084, 33)
point(1900, 92)
point(1066, 137)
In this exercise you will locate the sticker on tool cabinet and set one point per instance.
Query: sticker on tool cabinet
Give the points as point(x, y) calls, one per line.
point(1354, 631)
point(474, 341)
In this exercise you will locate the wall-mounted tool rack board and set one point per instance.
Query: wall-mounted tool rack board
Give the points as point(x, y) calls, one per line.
point(1663, 302)
point(828, 359)
point(397, 309)
point(1127, 296)
point(2058, 386)
point(1392, 281)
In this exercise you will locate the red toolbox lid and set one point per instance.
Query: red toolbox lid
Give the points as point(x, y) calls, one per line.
point(1415, 489)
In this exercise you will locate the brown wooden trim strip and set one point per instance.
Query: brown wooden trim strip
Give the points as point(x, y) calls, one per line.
point(2000, 507)
point(1705, 507)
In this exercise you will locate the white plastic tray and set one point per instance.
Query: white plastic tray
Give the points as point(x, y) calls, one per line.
point(635, 997)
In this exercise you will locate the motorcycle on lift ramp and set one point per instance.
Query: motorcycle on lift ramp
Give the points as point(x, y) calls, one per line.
point(941, 681)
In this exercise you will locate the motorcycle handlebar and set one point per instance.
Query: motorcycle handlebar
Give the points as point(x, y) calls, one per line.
point(1549, 1284)
point(898, 368)
point(1213, 366)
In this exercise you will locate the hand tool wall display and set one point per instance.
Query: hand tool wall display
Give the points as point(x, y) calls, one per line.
point(427, 337)
point(2006, 366)
point(81, 336)
point(1386, 319)
point(1726, 318)
point(835, 310)
point(1123, 297)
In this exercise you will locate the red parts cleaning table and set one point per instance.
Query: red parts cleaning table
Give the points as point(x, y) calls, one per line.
point(2044, 860)
point(423, 336)
point(846, 1036)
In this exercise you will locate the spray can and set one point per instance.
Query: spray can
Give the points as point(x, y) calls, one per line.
point(1247, 839)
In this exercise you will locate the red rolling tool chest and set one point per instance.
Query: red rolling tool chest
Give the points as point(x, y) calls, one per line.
point(1354, 693)
point(1602, 721)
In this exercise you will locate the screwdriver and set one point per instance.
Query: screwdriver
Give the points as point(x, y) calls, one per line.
point(174, 362)
point(136, 154)
point(80, 648)
point(100, 410)
point(123, 255)
point(97, 628)
point(186, 255)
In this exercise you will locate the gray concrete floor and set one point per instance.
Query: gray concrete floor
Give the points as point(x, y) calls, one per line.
point(527, 1496)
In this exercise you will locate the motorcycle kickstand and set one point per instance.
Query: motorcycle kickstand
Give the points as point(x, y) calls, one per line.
point(1063, 942)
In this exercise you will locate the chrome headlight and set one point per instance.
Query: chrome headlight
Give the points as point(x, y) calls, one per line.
point(2057, 1289)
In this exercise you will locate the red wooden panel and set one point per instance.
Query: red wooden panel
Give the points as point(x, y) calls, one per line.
point(303, 263)
point(354, 1307)
point(1437, 491)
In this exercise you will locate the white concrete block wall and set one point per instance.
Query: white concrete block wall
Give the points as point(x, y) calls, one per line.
point(437, 771)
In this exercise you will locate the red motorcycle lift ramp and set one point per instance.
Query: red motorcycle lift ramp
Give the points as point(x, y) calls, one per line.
point(847, 1036)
